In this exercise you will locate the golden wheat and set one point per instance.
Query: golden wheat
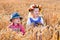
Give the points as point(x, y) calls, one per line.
point(51, 15)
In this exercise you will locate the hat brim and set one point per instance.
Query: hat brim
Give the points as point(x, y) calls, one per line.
point(16, 17)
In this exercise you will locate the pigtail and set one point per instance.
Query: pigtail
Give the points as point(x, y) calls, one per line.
point(29, 15)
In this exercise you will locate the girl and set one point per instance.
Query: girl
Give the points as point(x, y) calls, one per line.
point(15, 23)
point(33, 17)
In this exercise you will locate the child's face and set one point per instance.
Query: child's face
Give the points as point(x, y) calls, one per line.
point(36, 12)
point(16, 20)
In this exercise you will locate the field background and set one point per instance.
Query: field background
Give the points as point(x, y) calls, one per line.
point(51, 10)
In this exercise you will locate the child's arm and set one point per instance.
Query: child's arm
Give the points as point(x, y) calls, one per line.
point(28, 21)
point(22, 29)
point(42, 21)
point(28, 25)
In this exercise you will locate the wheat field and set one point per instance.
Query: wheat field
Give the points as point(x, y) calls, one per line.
point(50, 12)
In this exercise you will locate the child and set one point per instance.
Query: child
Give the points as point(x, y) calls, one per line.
point(33, 17)
point(15, 23)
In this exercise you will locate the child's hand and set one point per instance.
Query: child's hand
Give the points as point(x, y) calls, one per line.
point(16, 29)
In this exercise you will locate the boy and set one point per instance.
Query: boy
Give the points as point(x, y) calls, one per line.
point(16, 24)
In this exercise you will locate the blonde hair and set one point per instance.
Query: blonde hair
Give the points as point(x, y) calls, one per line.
point(29, 15)
point(31, 8)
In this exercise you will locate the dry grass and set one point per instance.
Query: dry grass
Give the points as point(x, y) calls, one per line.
point(37, 33)
point(51, 15)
